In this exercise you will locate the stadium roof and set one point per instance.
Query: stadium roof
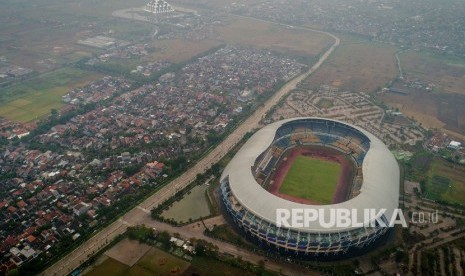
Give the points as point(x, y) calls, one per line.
point(380, 187)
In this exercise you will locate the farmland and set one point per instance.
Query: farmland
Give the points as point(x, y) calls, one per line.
point(35, 98)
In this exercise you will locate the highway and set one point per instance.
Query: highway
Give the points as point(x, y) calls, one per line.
point(71, 261)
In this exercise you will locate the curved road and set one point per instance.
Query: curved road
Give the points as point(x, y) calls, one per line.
point(96, 242)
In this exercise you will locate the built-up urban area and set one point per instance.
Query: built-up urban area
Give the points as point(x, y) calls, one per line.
point(58, 186)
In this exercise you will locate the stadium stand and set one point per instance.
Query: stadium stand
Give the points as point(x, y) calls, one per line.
point(291, 133)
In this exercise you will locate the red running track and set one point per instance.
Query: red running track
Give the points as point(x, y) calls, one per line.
point(323, 153)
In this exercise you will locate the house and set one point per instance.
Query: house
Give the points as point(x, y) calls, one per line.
point(81, 208)
point(454, 145)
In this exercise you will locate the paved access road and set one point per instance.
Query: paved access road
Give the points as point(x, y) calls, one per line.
point(91, 246)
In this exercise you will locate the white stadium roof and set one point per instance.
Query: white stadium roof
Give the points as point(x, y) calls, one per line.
point(380, 188)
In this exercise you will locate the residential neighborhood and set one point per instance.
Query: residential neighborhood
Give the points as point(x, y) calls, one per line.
point(70, 179)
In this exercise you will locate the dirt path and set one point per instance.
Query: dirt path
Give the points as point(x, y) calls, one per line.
point(441, 261)
point(457, 259)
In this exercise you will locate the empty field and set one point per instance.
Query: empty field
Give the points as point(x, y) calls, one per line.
point(179, 50)
point(446, 73)
point(442, 108)
point(210, 267)
point(260, 34)
point(157, 262)
point(193, 206)
point(357, 65)
point(446, 182)
point(35, 98)
point(312, 179)
point(109, 267)
point(128, 251)
point(154, 262)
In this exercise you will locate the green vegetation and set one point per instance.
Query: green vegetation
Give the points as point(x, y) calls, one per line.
point(35, 98)
point(446, 182)
point(325, 103)
point(193, 206)
point(418, 165)
point(211, 267)
point(109, 267)
point(226, 233)
point(154, 262)
point(206, 261)
point(140, 233)
point(158, 262)
point(311, 179)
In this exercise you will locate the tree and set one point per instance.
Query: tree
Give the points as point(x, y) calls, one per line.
point(164, 238)
point(13, 272)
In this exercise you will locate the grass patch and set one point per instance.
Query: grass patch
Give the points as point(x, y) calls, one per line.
point(325, 103)
point(312, 179)
point(35, 98)
point(206, 266)
point(154, 262)
point(446, 182)
point(194, 205)
point(225, 233)
point(109, 267)
point(157, 262)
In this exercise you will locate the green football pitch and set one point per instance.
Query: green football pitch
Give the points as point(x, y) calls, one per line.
point(312, 179)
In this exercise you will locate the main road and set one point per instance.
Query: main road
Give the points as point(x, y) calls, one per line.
point(101, 238)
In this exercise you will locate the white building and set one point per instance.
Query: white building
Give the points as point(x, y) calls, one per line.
point(158, 6)
point(454, 145)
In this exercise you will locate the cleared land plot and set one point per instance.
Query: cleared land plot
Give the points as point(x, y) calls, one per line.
point(357, 65)
point(433, 110)
point(193, 206)
point(215, 4)
point(446, 181)
point(179, 50)
point(35, 98)
point(245, 32)
point(128, 251)
point(312, 179)
point(442, 108)
point(447, 73)
point(154, 262)
point(263, 35)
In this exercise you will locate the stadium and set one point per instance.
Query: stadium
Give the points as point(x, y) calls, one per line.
point(304, 163)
